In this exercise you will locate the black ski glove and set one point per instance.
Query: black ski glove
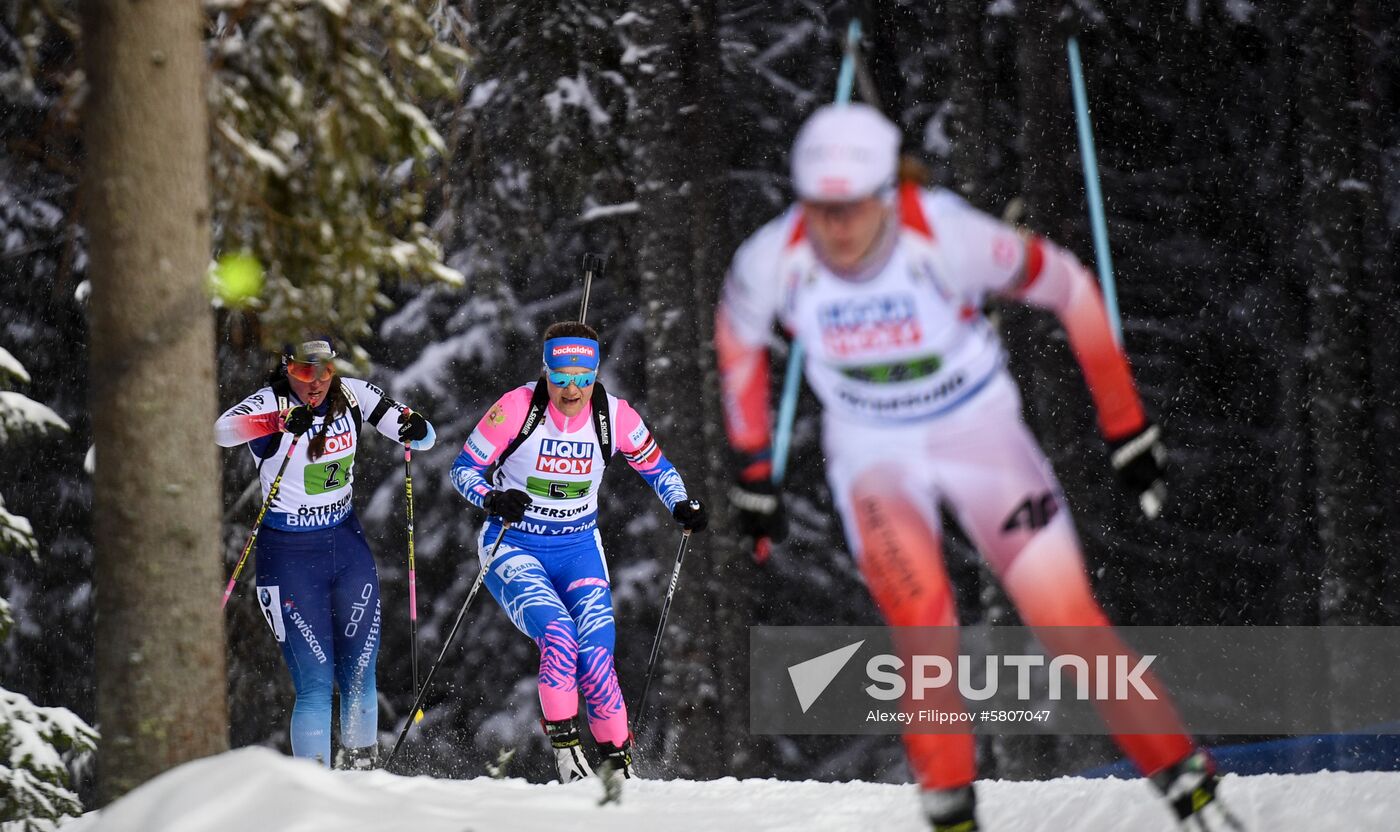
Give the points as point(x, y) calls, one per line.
point(1137, 462)
point(508, 505)
point(412, 426)
point(691, 515)
point(758, 508)
point(298, 420)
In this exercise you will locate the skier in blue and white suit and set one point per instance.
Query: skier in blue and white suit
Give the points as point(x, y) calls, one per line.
point(316, 579)
point(549, 574)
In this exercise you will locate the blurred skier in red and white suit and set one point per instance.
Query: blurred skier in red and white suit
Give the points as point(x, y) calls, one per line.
point(884, 285)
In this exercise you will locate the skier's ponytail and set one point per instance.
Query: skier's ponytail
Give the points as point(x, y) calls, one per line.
point(912, 171)
point(277, 375)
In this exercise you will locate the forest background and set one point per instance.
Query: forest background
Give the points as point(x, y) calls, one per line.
point(423, 180)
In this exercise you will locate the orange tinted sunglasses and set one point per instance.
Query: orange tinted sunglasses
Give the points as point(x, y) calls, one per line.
point(307, 373)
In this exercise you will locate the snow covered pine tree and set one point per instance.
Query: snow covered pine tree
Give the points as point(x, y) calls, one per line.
point(37, 745)
point(316, 115)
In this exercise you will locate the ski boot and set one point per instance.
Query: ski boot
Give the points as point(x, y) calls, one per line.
point(1189, 787)
point(357, 759)
point(950, 810)
point(614, 767)
point(568, 751)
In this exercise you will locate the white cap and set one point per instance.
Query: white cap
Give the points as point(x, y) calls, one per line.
point(844, 152)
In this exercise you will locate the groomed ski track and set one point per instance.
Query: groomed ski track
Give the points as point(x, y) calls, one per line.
point(257, 790)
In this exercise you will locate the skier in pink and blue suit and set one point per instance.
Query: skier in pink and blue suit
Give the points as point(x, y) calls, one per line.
point(550, 574)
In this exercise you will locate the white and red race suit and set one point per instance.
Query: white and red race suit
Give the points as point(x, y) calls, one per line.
point(919, 409)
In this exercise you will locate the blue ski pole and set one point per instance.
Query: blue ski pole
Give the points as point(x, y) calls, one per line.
point(1102, 257)
point(787, 409)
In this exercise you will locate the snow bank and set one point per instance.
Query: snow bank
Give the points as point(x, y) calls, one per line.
point(257, 789)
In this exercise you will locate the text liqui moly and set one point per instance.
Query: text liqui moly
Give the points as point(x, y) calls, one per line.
point(559, 456)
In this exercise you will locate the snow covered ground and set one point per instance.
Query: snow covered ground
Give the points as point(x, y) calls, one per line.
point(257, 790)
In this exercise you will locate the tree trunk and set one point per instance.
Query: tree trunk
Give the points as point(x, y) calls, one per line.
point(969, 88)
point(1051, 383)
point(1341, 213)
point(160, 656)
point(701, 689)
point(1057, 404)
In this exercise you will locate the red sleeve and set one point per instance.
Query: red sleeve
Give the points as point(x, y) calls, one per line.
point(254, 417)
point(743, 374)
point(1055, 279)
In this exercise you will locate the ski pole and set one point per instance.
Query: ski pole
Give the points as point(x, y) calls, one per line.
point(423, 691)
point(660, 630)
point(257, 524)
point(845, 79)
point(592, 264)
point(787, 408)
point(412, 570)
point(1103, 258)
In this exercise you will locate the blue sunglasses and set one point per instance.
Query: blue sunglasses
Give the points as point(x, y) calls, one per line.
point(562, 379)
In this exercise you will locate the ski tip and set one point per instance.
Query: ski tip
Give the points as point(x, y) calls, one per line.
point(418, 717)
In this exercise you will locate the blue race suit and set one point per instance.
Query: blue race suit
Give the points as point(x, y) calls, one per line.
point(316, 578)
point(320, 593)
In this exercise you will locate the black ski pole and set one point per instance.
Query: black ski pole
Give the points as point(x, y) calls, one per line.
point(257, 524)
point(412, 570)
point(423, 691)
point(592, 265)
point(660, 630)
